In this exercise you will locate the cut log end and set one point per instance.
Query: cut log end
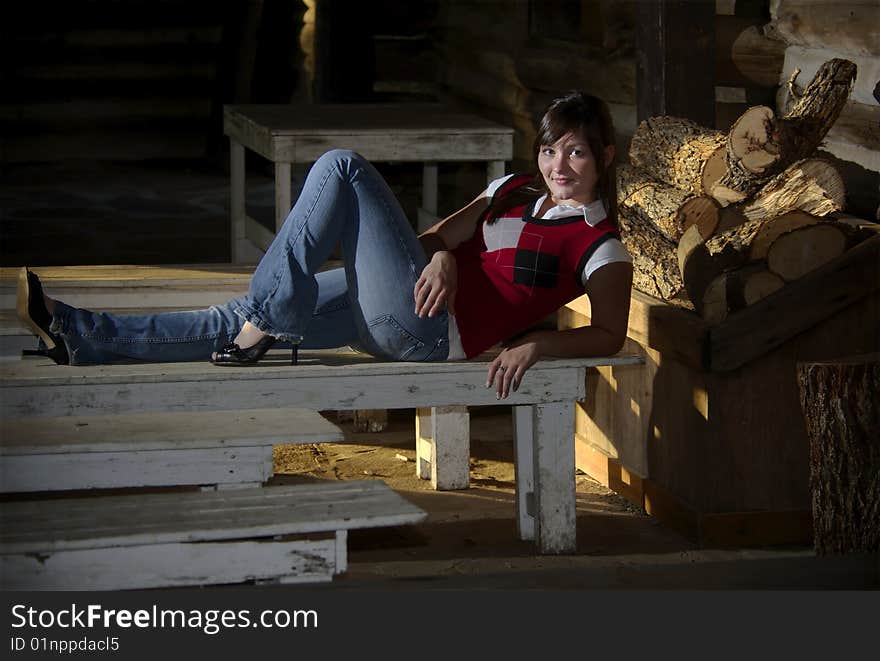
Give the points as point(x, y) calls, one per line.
point(760, 285)
point(796, 253)
point(751, 139)
point(776, 227)
point(701, 212)
point(714, 169)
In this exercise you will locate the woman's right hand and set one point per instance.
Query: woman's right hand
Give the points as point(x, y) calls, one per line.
point(437, 285)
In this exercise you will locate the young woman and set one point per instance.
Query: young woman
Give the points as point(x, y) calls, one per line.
point(486, 274)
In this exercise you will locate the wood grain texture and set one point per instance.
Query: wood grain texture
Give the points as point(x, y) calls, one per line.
point(849, 26)
point(85, 523)
point(164, 431)
point(380, 132)
point(324, 380)
point(757, 329)
point(170, 565)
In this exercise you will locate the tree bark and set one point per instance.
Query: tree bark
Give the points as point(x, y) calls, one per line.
point(670, 210)
point(760, 145)
point(840, 405)
point(655, 268)
point(679, 153)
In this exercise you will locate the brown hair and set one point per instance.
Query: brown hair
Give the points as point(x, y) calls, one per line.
point(572, 113)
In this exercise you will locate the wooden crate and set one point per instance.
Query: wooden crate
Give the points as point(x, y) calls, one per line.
point(708, 435)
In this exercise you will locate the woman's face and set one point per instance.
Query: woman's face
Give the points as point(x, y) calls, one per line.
point(570, 170)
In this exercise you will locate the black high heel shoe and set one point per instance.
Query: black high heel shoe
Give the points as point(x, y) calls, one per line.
point(233, 355)
point(31, 310)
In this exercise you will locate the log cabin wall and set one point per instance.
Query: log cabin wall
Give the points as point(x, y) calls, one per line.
point(813, 32)
point(507, 60)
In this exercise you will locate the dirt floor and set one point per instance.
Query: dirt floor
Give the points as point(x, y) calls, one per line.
point(469, 539)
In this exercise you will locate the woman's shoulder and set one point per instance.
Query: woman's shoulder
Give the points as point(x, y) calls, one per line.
point(506, 183)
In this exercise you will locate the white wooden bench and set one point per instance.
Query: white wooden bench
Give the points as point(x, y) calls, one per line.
point(193, 538)
point(331, 380)
point(219, 449)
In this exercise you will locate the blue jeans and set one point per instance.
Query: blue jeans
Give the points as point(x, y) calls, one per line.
point(367, 304)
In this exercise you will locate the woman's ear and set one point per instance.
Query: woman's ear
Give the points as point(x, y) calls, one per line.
point(609, 155)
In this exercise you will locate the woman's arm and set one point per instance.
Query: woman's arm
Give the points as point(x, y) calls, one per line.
point(609, 289)
point(439, 282)
point(455, 229)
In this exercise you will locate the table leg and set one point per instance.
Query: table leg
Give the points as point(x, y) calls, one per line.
point(237, 200)
point(553, 455)
point(494, 170)
point(428, 211)
point(523, 442)
point(443, 451)
point(282, 194)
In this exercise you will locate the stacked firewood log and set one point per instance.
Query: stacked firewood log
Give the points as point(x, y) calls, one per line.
point(716, 220)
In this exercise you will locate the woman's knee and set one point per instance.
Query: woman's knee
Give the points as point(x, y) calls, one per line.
point(340, 156)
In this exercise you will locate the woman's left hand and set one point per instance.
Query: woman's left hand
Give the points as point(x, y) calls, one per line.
point(507, 370)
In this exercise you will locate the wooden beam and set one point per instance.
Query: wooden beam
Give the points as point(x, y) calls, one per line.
point(675, 60)
point(801, 304)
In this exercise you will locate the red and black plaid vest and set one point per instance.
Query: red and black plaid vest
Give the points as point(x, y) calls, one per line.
point(518, 269)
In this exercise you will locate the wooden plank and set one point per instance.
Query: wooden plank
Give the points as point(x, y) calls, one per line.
point(108, 287)
point(553, 456)
point(609, 471)
point(451, 435)
point(170, 565)
point(523, 448)
point(801, 304)
point(86, 523)
point(675, 64)
point(393, 146)
point(380, 132)
point(654, 323)
point(443, 446)
point(165, 431)
point(424, 443)
point(22, 473)
point(342, 119)
point(319, 382)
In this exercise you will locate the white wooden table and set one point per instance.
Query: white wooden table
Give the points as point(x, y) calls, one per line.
point(288, 134)
point(332, 380)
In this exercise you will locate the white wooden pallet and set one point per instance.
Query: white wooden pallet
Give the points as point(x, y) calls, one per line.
point(222, 449)
point(192, 538)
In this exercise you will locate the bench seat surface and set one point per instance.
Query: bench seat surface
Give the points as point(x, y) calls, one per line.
point(164, 431)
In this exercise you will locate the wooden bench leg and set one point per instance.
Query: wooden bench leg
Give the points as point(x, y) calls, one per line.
point(494, 170)
point(237, 200)
point(523, 443)
point(341, 547)
point(443, 440)
point(553, 456)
